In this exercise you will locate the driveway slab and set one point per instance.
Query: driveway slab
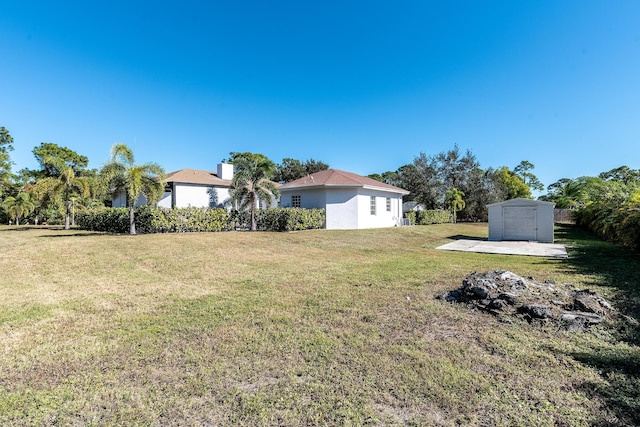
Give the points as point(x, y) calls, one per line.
point(507, 248)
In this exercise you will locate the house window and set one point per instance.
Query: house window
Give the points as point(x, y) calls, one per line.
point(388, 204)
point(373, 205)
point(295, 201)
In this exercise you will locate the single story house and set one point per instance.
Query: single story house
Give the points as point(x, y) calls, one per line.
point(412, 206)
point(350, 201)
point(198, 188)
point(190, 188)
point(521, 219)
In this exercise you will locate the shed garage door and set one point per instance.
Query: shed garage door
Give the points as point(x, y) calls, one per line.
point(519, 223)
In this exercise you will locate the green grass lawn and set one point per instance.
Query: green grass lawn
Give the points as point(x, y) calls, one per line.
point(309, 328)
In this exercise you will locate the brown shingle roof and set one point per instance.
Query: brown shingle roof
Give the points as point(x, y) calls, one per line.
point(195, 176)
point(338, 178)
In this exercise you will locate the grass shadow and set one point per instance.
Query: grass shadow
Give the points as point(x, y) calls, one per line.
point(609, 266)
point(463, 237)
point(617, 361)
point(620, 390)
point(16, 228)
point(66, 233)
point(86, 234)
point(31, 227)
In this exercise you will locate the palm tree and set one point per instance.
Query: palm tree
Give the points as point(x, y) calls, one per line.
point(454, 199)
point(123, 174)
point(251, 183)
point(64, 186)
point(571, 194)
point(18, 206)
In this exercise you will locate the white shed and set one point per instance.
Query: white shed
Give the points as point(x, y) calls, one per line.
point(521, 219)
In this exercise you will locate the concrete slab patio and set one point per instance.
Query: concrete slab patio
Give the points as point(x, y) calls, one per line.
point(507, 248)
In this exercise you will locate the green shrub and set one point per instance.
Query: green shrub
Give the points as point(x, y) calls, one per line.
point(110, 220)
point(182, 220)
point(281, 219)
point(411, 216)
point(619, 224)
point(52, 215)
point(426, 217)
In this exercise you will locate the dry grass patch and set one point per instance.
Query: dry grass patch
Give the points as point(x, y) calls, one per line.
point(308, 328)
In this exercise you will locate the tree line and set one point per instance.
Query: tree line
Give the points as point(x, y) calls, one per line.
point(453, 180)
point(63, 184)
point(607, 204)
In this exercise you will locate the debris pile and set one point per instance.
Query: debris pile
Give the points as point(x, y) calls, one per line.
point(507, 295)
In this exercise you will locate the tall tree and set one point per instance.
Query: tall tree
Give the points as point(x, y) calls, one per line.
point(252, 183)
point(480, 190)
point(289, 170)
point(510, 184)
point(565, 193)
point(455, 201)
point(523, 170)
point(430, 177)
point(57, 164)
point(47, 151)
point(421, 179)
point(577, 193)
point(6, 145)
point(623, 174)
point(408, 177)
point(376, 176)
point(18, 206)
point(124, 174)
point(313, 166)
point(64, 186)
point(292, 169)
point(388, 177)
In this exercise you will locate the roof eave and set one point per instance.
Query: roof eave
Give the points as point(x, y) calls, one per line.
point(367, 187)
point(387, 190)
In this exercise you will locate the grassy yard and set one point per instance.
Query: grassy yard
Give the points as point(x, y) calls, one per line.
point(308, 328)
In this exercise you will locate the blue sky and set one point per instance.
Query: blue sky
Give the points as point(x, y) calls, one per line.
point(362, 85)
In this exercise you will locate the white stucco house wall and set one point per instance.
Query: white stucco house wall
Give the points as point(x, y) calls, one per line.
point(351, 201)
point(190, 188)
point(521, 219)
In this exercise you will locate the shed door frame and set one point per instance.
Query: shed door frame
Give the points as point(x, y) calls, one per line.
point(519, 223)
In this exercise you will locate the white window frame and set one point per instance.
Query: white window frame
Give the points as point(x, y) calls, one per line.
point(388, 204)
point(296, 201)
point(372, 205)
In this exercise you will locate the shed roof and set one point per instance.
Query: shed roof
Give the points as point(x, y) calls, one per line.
point(520, 201)
point(338, 178)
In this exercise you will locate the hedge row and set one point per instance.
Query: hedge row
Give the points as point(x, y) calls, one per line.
point(158, 220)
point(427, 217)
point(612, 223)
point(111, 220)
point(281, 219)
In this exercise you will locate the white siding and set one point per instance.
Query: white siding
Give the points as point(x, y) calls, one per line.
point(165, 202)
point(309, 198)
point(119, 200)
point(342, 209)
point(191, 195)
point(348, 208)
point(199, 196)
point(382, 218)
point(183, 195)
